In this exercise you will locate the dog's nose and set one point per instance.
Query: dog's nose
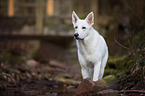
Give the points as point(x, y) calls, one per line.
point(76, 34)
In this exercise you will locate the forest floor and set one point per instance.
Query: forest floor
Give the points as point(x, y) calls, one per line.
point(35, 79)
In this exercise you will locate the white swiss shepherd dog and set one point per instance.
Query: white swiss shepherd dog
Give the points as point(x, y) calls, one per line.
point(92, 48)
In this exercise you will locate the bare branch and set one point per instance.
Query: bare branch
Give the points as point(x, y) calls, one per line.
point(121, 44)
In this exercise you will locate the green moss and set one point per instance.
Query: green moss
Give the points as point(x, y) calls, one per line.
point(109, 71)
point(116, 66)
point(118, 62)
point(65, 78)
point(10, 58)
point(115, 59)
point(109, 79)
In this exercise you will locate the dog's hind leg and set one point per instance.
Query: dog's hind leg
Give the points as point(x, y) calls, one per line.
point(102, 68)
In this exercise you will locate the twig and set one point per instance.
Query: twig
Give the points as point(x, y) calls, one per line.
point(11, 77)
point(132, 91)
point(121, 44)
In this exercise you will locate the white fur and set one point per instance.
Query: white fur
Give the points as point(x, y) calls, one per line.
point(92, 48)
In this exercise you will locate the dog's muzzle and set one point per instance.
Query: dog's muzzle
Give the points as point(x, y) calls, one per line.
point(76, 35)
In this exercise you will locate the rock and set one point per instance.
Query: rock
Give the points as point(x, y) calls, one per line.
point(54, 63)
point(84, 88)
point(32, 63)
point(70, 87)
point(90, 88)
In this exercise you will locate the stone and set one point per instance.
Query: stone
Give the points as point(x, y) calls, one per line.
point(88, 87)
point(55, 63)
point(32, 63)
point(101, 87)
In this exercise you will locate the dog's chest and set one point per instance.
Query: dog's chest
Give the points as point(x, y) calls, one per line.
point(87, 53)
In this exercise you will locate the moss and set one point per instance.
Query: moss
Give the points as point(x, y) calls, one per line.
point(111, 59)
point(116, 66)
point(109, 79)
point(10, 58)
point(110, 71)
point(118, 62)
point(65, 78)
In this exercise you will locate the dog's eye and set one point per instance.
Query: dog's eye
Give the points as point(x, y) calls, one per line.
point(76, 27)
point(83, 27)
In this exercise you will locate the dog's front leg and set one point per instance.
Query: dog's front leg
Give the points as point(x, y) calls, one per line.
point(85, 73)
point(96, 71)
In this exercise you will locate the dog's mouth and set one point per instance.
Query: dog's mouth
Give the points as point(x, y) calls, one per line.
point(77, 38)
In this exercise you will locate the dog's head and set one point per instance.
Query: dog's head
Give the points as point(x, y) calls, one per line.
point(82, 27)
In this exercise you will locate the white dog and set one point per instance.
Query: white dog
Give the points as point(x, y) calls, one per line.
point(92, 48)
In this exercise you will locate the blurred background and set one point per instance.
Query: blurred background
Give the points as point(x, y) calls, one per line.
point(36, 38)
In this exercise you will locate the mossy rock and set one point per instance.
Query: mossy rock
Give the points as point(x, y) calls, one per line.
point(117, 62)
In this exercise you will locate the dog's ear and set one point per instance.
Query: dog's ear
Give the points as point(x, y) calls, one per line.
point(74, 17)
point(90, 18)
